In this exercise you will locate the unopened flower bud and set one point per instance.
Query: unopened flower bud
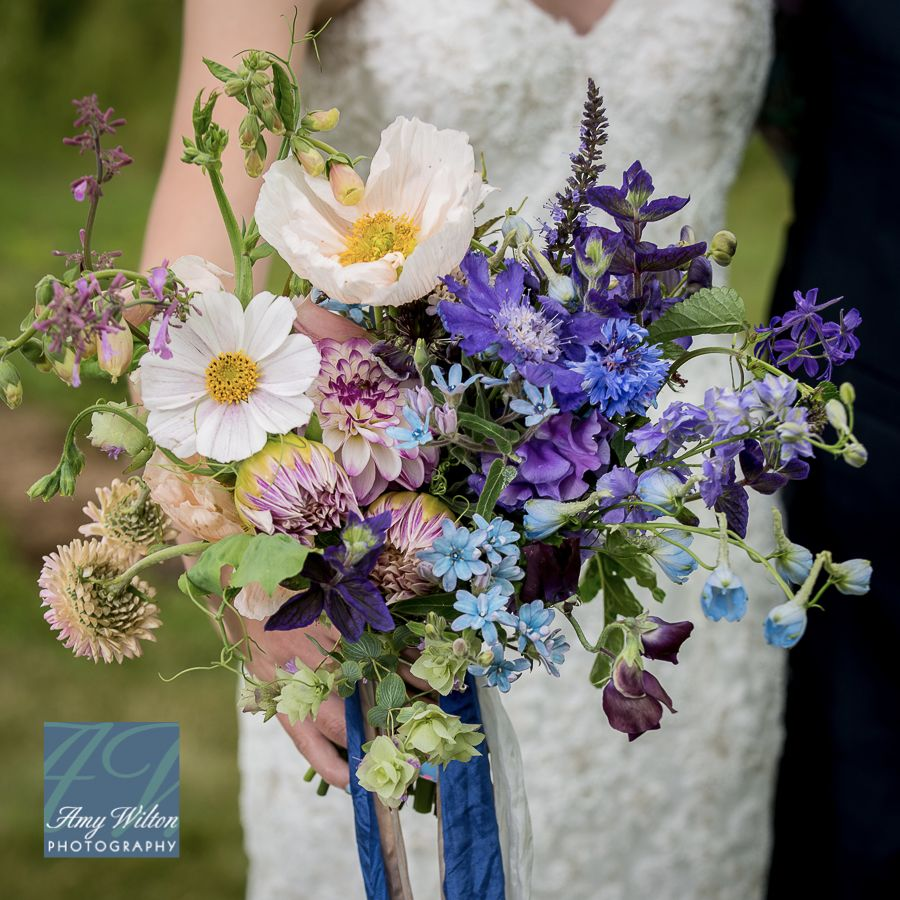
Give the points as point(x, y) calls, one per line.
point(460, 647)
point(848, 393)
point(517, 230)
point(312, 161)
point(322, 119)
point(10, 384)
point(485, 659)
point(64, 366)
point(723, 247)
point(254, 159)
point(856, 455)
point(346, 185)
point(43, 290)
point(561, 288)
point(114, 352)
point(687, 235)
point(234, 86)
point(836, 414)
point(699, 275)
point(248, 134)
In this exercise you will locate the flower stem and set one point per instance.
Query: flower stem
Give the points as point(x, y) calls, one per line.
point(192, 549)
point(243, 274)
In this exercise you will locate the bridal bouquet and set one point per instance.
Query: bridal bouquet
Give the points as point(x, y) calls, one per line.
point(501, 442)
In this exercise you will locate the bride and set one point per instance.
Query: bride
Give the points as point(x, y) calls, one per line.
point(684, 812)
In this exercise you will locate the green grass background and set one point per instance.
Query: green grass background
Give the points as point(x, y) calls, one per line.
point(51, 51)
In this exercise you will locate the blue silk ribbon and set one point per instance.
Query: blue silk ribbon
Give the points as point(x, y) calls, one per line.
point(368, 837)
point(473, 865)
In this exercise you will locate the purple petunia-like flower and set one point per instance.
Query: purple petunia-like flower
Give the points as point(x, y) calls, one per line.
point(556, 459)
point(340, 584)
point(621, 374)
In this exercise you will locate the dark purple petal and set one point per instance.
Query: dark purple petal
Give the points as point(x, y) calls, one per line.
point(665, 641)
point(628, 679)
point(629, 715)
point(551, 573)
point(655, 690)
point(734, 502)
point(663, 208)
point(611, 200)
point(301, 610)
point(364, 596)
point(650, 258)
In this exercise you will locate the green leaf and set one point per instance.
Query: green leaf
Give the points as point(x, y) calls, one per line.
point(206, 572)
point(498, 477)
point(351, 670)
point(618, 598)
point(716, 310)
point(391, 691)
point(367, 647)
point(377, 716)
point(620, 445)
point(442, 604)
point(591, 582)
point(223, 73)
point(503, 438)
point(270, 559)
point(601, 670)
point(639, 568)
point(285, 98)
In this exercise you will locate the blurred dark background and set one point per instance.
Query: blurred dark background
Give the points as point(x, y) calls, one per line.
point(127, 53)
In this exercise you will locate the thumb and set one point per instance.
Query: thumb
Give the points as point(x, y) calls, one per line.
point(318, 323)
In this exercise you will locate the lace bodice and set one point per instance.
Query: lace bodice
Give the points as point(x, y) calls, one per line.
point(682, 812)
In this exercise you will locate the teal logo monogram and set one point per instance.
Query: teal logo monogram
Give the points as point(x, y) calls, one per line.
point(111, 789)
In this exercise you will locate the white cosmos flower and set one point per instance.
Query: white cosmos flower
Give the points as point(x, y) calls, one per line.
point(235, 376)
point(412, 226)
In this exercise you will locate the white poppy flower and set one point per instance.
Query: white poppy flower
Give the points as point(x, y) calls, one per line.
point(235, 376)
point(413, 225)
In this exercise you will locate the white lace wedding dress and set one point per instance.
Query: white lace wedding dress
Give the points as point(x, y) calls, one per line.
point(683, 812)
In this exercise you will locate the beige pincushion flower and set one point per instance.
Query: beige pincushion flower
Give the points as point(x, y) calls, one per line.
point(196, 504)
point(127, 518)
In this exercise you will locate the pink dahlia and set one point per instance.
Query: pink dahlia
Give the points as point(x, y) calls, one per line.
point(357, 401)
point(415, 523)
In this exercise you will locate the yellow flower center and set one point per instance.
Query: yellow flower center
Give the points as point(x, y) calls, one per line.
point(231, 377)
point(375, 235)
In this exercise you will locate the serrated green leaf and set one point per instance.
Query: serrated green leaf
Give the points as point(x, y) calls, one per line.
point(206, 572)
point(498, 478)
point(502, 438)
point(391, 691)
point(223, 73)
point(828, 390)
point(268, 560)
point(716, 310)
point(284, 96)
point(367, 647)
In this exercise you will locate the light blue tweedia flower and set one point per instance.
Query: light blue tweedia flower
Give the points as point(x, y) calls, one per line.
point(505, 573)
point(453, 384)
point(500, 673)
point(677, 564)
point(509, 373)
point(533, 625)
point(724, 595)
point(620, 373)
point(555, 649)
point(500, 537)
point(415, 434)
point(537, 408)
point(482, 612)
point(785, 624)
point(455, 555)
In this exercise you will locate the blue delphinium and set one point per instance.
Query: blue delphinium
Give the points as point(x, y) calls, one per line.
point(453, 384)
point(500, 537)
point(500, 673)
point(620, 373)
point(793, 562)
point(455, 555)
point(537, 407)
point(415, 434)
point(662, 488)
point(482, 612)
point(677, 564)
point(851, 577)
point(724, 595)
point(785, 624)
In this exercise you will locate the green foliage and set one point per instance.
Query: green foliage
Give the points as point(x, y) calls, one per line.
point(717, 310)
point(498, 477)
point(503, 438)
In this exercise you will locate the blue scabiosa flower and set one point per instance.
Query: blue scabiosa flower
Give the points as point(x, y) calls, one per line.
point(415, 434)
point(724, 595)
point(453, 384)
point(500, 538)
point(677, 564)
point(785, 624)
point(620, 373)
point(851, 577)
point(499, 672)
point(537, 407)
point(482, 612)
point(533, 625)
point(455, 555)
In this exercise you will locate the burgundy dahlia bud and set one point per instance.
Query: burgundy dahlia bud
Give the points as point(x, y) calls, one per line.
point(665, 639)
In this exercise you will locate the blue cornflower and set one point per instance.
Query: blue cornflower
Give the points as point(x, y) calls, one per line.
point(620, 373)
point(415, 434)
point(555, 649)
point(482, 612)
point(851, 577)
point(453, 384)
point(724, 595)
point(533, 625)
point(500, 673)
point(785, 624)
point(455, 555)
point(505, 573)
point(538, 407)
point(677, 564)
point(500, 537)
